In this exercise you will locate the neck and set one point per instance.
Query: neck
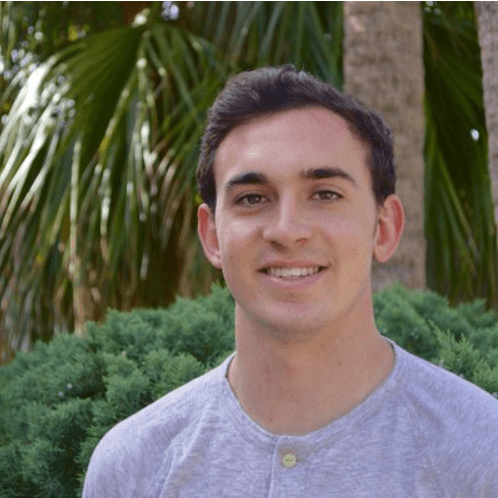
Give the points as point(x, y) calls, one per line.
point(296, 387)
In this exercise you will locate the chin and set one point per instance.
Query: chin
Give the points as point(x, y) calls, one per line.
point(294, 324)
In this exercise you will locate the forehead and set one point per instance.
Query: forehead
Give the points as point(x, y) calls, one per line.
point(285, 143)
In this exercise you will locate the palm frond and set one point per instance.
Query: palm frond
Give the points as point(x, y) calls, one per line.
point(99, 153)
point(459, 225)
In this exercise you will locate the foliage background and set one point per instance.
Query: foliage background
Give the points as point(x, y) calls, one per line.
point(57, 402)
point(101, 128)
point(101, 123)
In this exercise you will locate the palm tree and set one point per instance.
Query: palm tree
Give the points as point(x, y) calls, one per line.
point(99, 149)
point(487, 13)
point(459, 221)
point(383, 66)
point(99, 153)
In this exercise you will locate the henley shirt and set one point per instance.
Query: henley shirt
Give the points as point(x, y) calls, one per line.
point(424, 433)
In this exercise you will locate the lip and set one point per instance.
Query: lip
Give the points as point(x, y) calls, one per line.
point(291, 264)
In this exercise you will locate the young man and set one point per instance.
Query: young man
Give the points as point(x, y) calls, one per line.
point(298, 182)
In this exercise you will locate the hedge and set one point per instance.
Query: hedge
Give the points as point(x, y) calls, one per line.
point(58, 401)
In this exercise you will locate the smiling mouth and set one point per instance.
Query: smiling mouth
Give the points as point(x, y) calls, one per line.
point(288, 272)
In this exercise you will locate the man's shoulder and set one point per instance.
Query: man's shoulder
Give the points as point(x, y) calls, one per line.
point(138, 443)
point(436, 389)
point(169, 414)
point(456, 421)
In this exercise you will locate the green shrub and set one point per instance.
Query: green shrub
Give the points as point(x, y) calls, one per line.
point(57, 402)
point(463, 340)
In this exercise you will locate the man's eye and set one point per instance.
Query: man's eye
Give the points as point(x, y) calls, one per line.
point(250, 199)
point(327, 195)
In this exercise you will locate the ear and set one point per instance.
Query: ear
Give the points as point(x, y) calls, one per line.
point(390, 225)
point(206, 229)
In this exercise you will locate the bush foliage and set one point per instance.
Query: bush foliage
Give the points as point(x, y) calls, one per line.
point(58, 401)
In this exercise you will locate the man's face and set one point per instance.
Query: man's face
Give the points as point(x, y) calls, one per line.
point(295, 224)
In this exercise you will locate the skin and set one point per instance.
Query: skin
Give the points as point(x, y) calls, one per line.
point(308, 350)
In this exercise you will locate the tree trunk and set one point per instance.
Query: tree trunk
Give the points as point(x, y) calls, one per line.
point(487, 22)
point(383, 67)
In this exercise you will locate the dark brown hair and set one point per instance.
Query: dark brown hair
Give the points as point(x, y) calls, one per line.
point(270, 90)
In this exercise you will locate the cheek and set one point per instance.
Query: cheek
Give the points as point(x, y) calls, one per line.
point(236, 241)
point(353, 240)
point(237, 249)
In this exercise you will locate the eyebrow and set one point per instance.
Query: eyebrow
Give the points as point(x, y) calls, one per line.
point(248, 178)
point(255, 178)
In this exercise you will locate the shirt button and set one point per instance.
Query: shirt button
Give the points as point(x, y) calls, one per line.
point(289, 459)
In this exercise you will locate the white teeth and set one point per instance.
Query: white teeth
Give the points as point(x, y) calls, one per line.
point(292, 272)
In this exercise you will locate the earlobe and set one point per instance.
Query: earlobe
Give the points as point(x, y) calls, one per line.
point(206, 230)
point(390, 225)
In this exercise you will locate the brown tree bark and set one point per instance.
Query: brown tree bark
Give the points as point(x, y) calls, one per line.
point(383, 67)
point(487, 22)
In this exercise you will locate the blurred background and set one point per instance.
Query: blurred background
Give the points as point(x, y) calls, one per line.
point(102, 110)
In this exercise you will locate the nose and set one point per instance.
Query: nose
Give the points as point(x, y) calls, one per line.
point(289, 226)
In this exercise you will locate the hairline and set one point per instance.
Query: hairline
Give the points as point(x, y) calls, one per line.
point(368, 147)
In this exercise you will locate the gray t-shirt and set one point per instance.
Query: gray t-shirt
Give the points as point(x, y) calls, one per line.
point(423, 433)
